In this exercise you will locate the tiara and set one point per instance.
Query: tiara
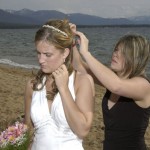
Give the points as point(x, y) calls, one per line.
point(55, 29)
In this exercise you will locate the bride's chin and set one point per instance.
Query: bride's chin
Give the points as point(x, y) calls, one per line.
point(46, 71)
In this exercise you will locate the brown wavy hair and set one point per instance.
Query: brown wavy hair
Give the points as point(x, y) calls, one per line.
point(61, 42)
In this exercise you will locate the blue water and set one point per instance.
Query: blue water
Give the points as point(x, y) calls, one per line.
point(17, 45)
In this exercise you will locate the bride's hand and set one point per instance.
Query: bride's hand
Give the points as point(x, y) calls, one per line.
point(61, 77)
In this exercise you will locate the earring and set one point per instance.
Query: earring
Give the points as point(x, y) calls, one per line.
point(64, 60)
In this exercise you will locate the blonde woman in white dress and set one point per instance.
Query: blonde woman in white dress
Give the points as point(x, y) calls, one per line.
point(59, 101)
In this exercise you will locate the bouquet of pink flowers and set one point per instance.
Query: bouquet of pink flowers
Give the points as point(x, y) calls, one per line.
point(14, 137)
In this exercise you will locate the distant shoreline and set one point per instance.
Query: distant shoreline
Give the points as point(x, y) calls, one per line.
point(20, 26)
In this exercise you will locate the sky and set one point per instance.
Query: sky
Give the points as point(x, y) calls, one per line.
point(101, 8)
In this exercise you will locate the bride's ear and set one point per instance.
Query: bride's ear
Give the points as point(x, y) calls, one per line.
point(66, 52)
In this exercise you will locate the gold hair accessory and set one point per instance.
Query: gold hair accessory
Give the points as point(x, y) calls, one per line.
point(55, 29)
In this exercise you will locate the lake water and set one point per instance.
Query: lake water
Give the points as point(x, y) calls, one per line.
point(17, 45)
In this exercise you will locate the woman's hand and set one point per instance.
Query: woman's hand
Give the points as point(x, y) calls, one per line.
point(83, 42)
point(81, 38)
point(73, 28)
point(61, 77)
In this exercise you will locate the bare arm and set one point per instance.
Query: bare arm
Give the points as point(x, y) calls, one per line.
point(80, 65)
point(27, 121)
point(78, 112)
point(28, 97)
point(137, 88)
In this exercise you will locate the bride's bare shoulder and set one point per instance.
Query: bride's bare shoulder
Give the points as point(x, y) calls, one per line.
point(85, 78)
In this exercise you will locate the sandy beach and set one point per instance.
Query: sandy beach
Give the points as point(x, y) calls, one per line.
point(12, 85)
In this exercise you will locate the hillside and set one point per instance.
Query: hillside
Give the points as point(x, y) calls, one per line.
point(30, 18)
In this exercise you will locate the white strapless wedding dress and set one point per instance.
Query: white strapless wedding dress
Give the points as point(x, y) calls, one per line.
point(52, 131)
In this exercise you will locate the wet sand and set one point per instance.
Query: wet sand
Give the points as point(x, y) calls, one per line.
point(12, 85)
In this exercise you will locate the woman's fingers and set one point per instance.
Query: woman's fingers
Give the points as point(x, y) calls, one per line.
point(72, 27)
point(62, 69)
point(61, 76)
